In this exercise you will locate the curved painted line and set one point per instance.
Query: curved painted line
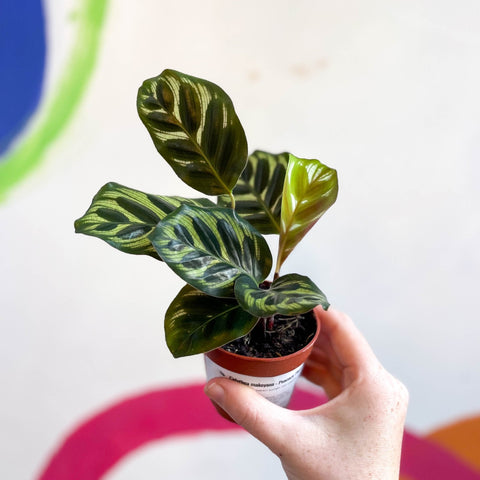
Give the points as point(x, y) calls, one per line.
point(71, 86)
point(461, 438)
point(423, 460)
point(92, 449)
point(22, 62)
point(99, 443)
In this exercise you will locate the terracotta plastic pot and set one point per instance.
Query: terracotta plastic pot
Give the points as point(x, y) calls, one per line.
point(274, 378)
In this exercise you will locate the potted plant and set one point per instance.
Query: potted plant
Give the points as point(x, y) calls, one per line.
point(227, 308)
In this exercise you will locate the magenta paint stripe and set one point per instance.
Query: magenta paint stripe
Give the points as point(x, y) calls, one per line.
point(424, 460)
point(99, 443)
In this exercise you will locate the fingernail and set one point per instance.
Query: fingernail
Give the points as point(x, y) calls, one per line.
point(215, 392)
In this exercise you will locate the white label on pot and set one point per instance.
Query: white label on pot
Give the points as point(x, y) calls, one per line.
point(277, 389)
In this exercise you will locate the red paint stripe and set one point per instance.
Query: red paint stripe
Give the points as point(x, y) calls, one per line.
point(100, 442)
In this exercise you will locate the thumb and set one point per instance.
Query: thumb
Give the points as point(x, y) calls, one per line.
point(260, 417)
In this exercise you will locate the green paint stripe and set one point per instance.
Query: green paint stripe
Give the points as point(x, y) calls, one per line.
point(70, 88)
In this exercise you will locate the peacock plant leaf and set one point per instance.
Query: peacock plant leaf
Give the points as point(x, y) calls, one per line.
point(310, 189)
point(290, 294)
point(124, 217)
point(210, 247)
point(258, 192)
point(197, 323)
point(195, 128)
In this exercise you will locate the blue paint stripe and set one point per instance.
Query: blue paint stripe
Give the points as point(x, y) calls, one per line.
point(22, 65)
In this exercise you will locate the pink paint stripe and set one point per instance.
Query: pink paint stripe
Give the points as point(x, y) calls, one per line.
point(93, 448)
point(423, 460)
point(99, 443)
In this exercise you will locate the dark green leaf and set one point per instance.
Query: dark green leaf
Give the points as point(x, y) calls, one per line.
point(310, 189)
point(210, 247)
point(258, 193)
point(194, 126)
point(288, 295)
point(125, 217)
point(197, 323)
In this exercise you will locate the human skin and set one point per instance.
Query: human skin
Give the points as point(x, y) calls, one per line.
point(356, 435)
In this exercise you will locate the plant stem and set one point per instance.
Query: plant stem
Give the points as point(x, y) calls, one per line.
point(281, 247)
point(232, 200)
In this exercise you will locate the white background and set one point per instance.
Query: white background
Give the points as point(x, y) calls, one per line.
point(385, 92)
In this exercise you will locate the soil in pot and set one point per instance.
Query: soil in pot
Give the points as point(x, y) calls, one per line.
point(269, 359)
point(276, 337)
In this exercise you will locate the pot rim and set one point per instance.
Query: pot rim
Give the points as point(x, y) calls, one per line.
point(255, 365)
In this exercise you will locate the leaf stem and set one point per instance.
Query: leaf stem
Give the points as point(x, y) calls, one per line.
point(281, 247)
point(232, 200)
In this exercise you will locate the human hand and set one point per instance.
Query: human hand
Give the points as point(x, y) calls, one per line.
point(356, 435)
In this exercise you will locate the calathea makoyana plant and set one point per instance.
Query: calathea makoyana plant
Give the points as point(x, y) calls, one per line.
point(217, 248)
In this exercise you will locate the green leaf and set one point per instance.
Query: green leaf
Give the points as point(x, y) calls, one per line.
point(310, 189)
point(288, 295)
point(197, 323)
point(194, 127)
point(125, 217)
point(210, 247)
point(258, 193)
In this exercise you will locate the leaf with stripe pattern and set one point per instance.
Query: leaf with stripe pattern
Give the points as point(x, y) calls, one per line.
point(196, 322)
point(258, 192)
point(310, 189)
point(124, 217)
point(210, 247)
point(288, 295)
point(195, 128)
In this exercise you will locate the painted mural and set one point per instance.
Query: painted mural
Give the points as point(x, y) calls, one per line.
point(36, 128)
point(23, 58)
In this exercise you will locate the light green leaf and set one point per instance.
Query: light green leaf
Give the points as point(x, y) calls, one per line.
point(288, 295)
point(124, 217)
point(194, 127)
point(197, 323)
point(210, 247)
point(310, 189)
point(258, 193)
